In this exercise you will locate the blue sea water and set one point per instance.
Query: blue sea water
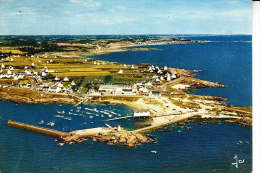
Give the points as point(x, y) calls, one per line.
point(226, 59)
point(205, 148)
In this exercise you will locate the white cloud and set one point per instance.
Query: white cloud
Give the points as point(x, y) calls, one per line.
point(119, 7)
point(87, 3)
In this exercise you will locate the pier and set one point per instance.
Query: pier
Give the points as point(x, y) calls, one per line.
point(161, 125)
point(37, 129)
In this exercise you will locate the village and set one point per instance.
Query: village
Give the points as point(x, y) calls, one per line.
point(39, 78)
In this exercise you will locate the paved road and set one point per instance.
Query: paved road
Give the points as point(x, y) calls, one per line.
point(170, 83)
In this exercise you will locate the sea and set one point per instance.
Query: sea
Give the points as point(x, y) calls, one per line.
point(214, 147)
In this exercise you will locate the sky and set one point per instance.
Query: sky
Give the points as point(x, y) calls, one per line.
point(94, 17)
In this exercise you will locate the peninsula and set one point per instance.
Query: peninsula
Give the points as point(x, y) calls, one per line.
point(61, 70)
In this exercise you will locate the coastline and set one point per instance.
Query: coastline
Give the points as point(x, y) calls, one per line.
point(179, 103)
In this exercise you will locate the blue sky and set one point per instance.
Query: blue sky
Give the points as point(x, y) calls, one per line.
point(83, 17)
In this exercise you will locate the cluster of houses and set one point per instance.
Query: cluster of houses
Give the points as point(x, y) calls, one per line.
point(161, 74)
point(57, 86)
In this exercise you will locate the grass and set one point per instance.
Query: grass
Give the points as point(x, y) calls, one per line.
point(13, 51)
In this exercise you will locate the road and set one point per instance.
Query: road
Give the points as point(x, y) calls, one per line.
point(170, 83)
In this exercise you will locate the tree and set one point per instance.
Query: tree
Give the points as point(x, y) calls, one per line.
point(108, 79)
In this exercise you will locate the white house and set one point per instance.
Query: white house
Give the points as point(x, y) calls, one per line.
point(9, 72)
point(60, 85)
point(157, 80)
point(73, 83)
point(161, 78)
point(120, 71)
point(43, 74)
point(57, 78)
point(27, 72)
point(66, 79)
point(174, 76)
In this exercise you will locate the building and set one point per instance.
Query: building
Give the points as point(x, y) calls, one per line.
point(120, 71)
point(141, 113)
point(116, 90)
point(66, 79)
point(155, 94)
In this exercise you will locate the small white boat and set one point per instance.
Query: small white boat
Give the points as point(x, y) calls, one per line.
point(41, 122)
point(67, 118)
point(50, 124)
point(90, 117)
point(69, 113)
point(59, 116)
point(60, 144)
point(88, 109)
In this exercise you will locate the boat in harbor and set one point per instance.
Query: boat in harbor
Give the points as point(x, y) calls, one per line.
point(67, 118)
point(41, 122)
point(59, 116)
point(50, 124)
